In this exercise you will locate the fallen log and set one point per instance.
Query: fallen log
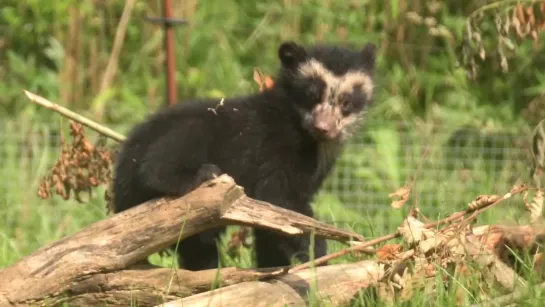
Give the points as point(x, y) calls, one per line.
point(152, 286)
point(332, 285)
point(83, 260)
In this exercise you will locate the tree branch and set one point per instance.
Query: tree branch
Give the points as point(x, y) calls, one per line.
point(126, 238)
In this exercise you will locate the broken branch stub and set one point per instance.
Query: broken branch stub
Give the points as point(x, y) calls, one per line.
point(254, 212)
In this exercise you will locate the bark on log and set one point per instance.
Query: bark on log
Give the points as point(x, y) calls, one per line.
point(332, 285)
point(155, 285)
point(105, 247)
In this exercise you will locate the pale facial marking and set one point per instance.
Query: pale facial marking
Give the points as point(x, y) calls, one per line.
point(340, 84)
point(327, 113)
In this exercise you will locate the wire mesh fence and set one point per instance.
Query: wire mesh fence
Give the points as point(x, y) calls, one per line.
point(445, 164)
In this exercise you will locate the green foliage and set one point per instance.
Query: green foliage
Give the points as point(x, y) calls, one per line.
point(217, 51)
point(424, 101)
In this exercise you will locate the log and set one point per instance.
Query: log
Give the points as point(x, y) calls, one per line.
point(51, 274)
point(154, 286)
point(332, 285)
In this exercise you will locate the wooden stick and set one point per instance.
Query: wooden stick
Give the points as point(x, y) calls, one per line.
point(75, 117)
point(120, 32)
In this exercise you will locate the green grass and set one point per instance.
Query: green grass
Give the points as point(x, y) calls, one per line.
point(418, 84)
point(28, 223)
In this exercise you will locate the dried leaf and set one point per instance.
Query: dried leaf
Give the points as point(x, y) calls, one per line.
point(506, 25)
point(264, 82)
point(517, 24)
point(535, 208)
point(404, 193)
point(80, 166)
point(526, 22)
point(430, 270)
point(507, 42)
point(414, 18)
point(504, 64)
point(519, 19)
point(398, 281)
point(413, 231)
point(482, 201)
point(538, 153)
point(257, 78)
point(455, 244)
point(519, 14)
point(531, 17)
point(491, 238)
point(389, 252)
point(268, 82)
point(492, 265)
point(539, 265)
point(519, 240)
point(238, 240)
point(433, 243)
point(482, 53)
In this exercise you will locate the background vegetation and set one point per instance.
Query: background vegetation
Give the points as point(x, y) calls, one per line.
point(60, 50)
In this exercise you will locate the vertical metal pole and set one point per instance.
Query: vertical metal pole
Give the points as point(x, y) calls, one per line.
point(170, 55)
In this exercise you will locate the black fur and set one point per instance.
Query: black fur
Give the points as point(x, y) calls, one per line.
point(257, 139)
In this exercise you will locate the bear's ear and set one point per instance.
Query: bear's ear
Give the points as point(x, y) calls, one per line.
point(369, 56)
point(291, 54)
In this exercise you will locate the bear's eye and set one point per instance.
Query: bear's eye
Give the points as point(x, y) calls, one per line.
point(345, 103)
point(313, 89)
point(357, 86)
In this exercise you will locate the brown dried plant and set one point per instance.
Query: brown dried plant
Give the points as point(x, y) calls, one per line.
point(80, 167)
point(512, 21)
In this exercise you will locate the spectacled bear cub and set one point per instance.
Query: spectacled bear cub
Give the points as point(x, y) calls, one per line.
point(279, 145)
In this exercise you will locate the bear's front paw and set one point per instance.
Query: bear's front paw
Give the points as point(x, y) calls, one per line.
point(207, 172)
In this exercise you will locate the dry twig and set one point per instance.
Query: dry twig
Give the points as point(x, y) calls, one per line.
point(111, 68)
point(75, 117)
